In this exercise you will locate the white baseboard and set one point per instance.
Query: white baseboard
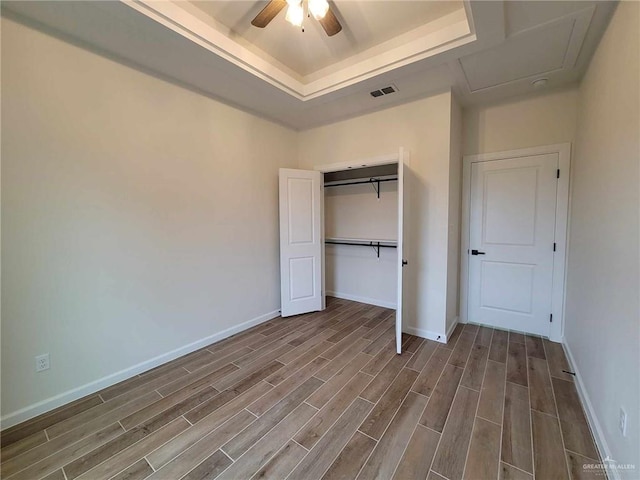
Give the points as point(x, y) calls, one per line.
point(355, 298)
point(428, 334)
point(592, 418)
point(56, 401)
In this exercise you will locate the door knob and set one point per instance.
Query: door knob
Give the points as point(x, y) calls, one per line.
point(404, 262)
point(476, 252)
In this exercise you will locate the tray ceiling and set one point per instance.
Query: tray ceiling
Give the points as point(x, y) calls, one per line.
point(484, 51)
point(366, 25)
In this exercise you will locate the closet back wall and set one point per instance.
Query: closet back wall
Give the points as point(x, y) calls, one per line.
point(137, 218)
point(356, 273)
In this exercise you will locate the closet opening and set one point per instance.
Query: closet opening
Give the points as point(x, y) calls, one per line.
point(341, 235)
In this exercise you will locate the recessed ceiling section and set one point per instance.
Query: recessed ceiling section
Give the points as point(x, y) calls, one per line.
point(366, 25)
point(545, 49)
point(376, 37)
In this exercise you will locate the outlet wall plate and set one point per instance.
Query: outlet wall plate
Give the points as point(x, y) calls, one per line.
point(42, 362)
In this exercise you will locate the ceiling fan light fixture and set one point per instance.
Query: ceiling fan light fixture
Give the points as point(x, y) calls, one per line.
point(318, 8)
point(295, 13)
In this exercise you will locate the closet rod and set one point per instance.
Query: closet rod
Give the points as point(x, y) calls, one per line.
point(372, 181)
point(375, 245)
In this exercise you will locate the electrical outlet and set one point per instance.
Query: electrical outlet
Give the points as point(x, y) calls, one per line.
point(42, 362)
point(622, 423)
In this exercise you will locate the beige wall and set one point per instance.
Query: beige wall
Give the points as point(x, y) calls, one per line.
point(422, 127)
point(137, 217)
point(602, 329)
point(543, 119)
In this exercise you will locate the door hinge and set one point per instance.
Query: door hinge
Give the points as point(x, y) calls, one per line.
point(554, 246)
point(551, 317)
point(558, 173)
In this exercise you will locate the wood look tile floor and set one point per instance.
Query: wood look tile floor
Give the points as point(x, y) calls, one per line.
point(324, 396)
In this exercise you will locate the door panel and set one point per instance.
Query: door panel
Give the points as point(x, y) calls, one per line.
point(302, 270)
point(510, 206)
point(301, 210)
point(512, 230)
point(300, 241)
point(500, 277)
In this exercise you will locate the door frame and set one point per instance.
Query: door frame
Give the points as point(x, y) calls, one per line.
point(563, 150)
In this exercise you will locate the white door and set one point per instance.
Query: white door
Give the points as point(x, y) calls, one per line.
point(300, 241)
point(401, 259)
point(511, 242)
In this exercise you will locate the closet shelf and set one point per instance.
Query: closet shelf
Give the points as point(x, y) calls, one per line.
point(375, 183)
point(358, 242)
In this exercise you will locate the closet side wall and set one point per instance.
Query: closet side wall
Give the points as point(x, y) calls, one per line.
point(422, 127)
point(455, 202)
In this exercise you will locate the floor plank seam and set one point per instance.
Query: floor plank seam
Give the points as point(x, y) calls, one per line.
point(369, 401)
point(187, 420)
point(267, 460)
point(447, 419)
point(519, 469)
point(545, 413)
point(336, 420)
point(502, 421)
point(228, 455)
point(365, 373)
point(487, 420)
point(555, 404)
point(595, 460)
point(366, 435)
point(475, 417)
point(315, 408)
point(225, 453)
point(388, 425)
point(299, 444)
point(404, 450)
point(418, 393)
point(149, 463)
point(533, 453)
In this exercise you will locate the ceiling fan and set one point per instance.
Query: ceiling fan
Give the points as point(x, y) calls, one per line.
point(295, 14)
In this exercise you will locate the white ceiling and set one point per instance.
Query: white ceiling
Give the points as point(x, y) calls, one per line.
point(485, 51)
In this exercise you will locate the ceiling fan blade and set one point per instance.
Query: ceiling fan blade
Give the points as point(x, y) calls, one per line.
point(268, 13)
point(330, 23)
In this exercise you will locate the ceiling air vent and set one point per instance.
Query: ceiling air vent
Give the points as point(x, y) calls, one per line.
point(384, 91)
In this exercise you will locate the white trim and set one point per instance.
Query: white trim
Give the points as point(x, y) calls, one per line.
point(56, 401)
point(428, 334)
point(356, 298)
point(592, 418)
point(563, 150)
